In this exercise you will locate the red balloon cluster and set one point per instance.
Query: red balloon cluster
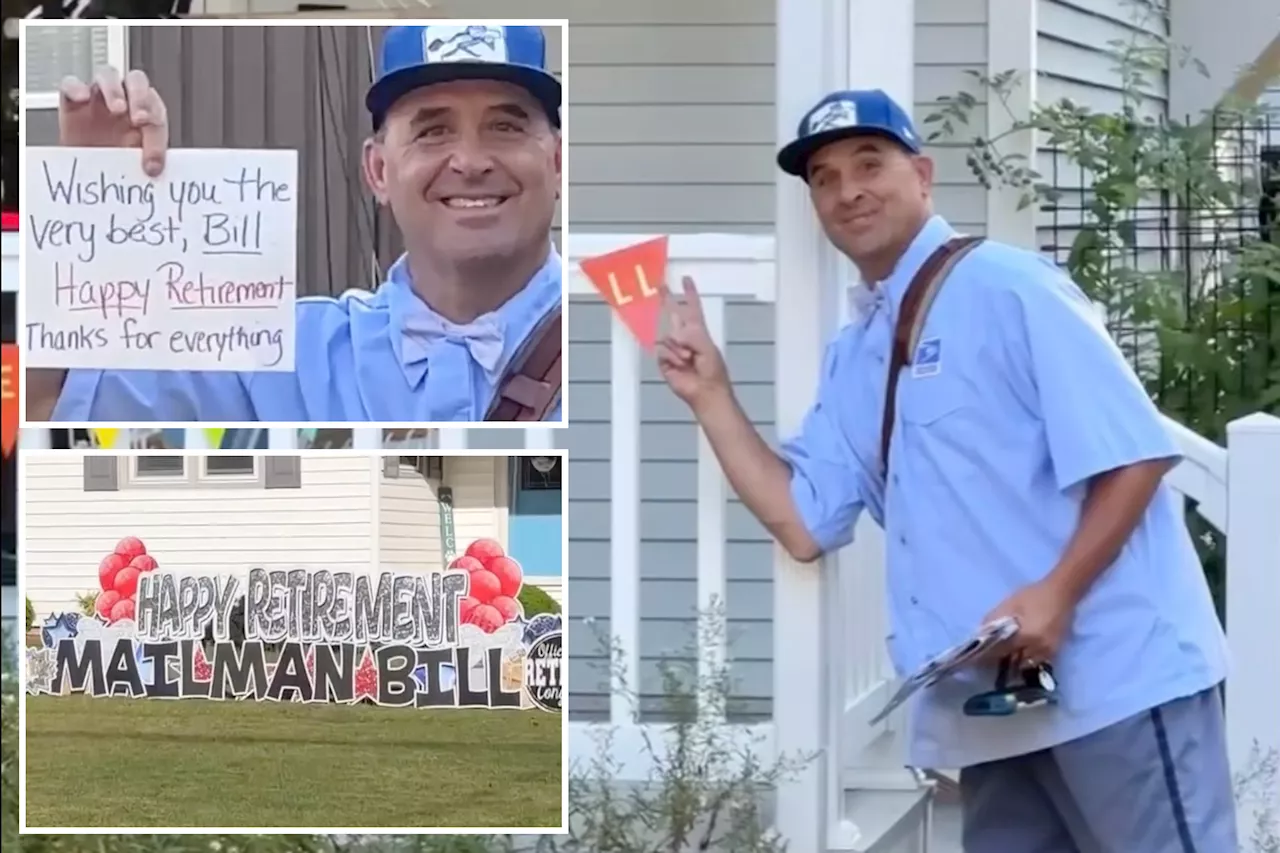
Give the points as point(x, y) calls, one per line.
point(118, 576)
point(495, 582)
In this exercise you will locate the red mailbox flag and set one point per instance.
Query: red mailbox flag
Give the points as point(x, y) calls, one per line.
point(9, 399)
point(631, 281)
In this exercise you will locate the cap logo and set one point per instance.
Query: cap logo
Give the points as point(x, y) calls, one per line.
point(833, 115)
point(473, 43)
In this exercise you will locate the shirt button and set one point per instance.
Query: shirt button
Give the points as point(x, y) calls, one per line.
point(902, 539)
point(915, 600)
point(895, 479)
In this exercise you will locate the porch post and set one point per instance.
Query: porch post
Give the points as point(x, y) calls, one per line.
point(808, 65)
point(1011, 46)
point(1253, 588)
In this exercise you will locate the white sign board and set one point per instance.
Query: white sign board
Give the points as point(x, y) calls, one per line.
point(192, 271)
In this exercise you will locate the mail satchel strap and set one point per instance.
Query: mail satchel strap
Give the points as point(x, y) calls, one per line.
point(911, 316)
point(531, 386)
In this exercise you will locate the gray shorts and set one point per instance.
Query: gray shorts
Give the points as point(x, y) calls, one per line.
point(1158, 782)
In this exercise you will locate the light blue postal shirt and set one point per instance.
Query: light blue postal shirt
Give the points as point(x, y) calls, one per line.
point(380, 356)
point(1017, 397)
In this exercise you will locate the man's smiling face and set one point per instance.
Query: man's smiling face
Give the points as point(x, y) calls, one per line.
point(470, 169)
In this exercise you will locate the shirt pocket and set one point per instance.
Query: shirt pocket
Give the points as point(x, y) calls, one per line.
point(923, 401)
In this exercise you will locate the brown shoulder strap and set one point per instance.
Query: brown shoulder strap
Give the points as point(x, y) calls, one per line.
point(531, 385)
point(911, 316)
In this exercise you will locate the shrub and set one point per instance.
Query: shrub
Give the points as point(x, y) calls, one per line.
point(31, 615)
point(86, 601)
point(535, 600)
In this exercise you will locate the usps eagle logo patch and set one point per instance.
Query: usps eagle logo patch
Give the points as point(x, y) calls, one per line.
point(471, 43)
point(834, 115)
point(928, 358)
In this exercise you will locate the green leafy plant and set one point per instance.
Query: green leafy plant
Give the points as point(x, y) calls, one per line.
point(86, 601)
point(536, 600)
point(1258, 792)
point(705, 786)
point(1167, 241)
point(31, 615)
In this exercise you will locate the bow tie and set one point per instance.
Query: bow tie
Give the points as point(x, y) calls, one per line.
point(483, 338)
point(864, 300)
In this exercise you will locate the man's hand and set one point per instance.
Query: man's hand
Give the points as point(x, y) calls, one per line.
point(112, 112)
point(1044, 613)
point(687, 357)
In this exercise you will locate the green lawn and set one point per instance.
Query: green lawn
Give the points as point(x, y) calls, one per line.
point(191, 763)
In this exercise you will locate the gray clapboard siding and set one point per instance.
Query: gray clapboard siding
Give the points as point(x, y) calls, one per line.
point(951, 40)
point(671, 130)
point(1076, 54)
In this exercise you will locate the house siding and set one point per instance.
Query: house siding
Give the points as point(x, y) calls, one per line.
point(672, 131)
point(1076, 51)
point(409, 511)
point(68, 531)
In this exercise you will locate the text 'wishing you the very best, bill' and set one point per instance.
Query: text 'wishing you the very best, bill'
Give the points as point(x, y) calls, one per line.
point(194, 270)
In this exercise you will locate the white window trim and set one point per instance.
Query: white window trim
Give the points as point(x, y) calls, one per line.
point(117, 57)
point(203, 475)
point(197, 475)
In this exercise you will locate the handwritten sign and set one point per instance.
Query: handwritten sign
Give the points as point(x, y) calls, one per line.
point(631, 280)
point(193, 271)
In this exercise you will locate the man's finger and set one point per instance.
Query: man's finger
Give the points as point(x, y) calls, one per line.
point(74, 91)
point(137, 91)
point(691, 297)
point(109, 85)
point(678, 354)
point(669, 356)
point(155, 133)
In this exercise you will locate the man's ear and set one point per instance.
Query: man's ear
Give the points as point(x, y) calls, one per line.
point(375, 168)
point(924, 169)
point(559, 150)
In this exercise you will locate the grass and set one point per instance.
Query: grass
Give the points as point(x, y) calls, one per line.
point(149, 763)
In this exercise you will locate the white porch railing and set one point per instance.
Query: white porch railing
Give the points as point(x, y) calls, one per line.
point(1243, 478)
point(725, 267)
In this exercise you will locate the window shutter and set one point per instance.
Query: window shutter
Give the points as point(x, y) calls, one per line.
point(283, 472)
point(102, 473)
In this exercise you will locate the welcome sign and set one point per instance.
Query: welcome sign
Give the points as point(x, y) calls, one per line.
point(301, 635)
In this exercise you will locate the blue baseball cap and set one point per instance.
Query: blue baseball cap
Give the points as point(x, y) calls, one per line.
point(844, 114)
point(413, 57)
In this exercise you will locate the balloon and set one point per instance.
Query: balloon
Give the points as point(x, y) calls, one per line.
point(130, 547)
point(507, 606)
point(127, 581)
point(123, 609)
point(104, 602)
point(465, 606)
point(107, 570)
point(509, 574)
point(487, 618)
point(484, 585)
point(144, 563)
point(484, 550)
point(468, 563)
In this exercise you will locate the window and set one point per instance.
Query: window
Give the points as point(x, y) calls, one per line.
point(53, 52)
point(173, 469)
point(540, 473)
point(429, 467)
point(230, 466)
point(159, 467)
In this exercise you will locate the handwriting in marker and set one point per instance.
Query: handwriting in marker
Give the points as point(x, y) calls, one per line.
point(193, 271)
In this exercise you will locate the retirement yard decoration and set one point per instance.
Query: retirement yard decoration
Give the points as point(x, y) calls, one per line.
point(452, 638)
